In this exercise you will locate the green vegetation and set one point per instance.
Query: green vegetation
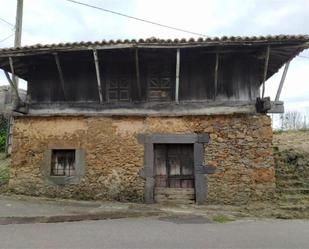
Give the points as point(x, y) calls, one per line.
point(222, 218)
point(4, 170)
point(4, 175)
point(3, 132)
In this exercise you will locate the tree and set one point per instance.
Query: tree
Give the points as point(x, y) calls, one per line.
point(292, 120)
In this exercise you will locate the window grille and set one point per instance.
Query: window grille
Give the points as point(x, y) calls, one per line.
point(63, 163)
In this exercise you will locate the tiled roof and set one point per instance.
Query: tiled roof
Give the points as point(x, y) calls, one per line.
point(225, 40)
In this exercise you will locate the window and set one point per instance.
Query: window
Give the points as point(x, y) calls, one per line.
point(160, 81)
point(63, 163)
point(118, 89)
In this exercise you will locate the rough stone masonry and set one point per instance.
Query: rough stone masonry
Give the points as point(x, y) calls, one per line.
point(240, 147)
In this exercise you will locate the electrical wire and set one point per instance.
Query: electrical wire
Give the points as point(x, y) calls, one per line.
point(303, 56)
point(136, 18)
point(8, 23)
point(4, 39)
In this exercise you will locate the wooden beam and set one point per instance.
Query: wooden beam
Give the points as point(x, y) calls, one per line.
point(12, 81)
point(138, 74)
point(177, 75)
point(216, 75)
point(265, 69)
point(12, 70)
point(60, 72)
point(282, 80)
point(97, 69)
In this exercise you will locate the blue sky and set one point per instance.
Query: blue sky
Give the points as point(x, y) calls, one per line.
point(54, 21)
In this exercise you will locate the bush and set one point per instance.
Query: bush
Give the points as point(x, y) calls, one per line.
point(4, 175)
point(3, 132)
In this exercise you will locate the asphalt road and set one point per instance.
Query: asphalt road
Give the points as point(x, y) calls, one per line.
point(158, 233)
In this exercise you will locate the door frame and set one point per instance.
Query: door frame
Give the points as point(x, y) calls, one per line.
point(148, 172)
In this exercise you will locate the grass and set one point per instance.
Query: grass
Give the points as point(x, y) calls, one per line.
point(4, 176)
point(291, 131)
point(222, 218)
point(4, 170)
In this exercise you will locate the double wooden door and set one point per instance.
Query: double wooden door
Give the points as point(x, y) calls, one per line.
point(174, 165)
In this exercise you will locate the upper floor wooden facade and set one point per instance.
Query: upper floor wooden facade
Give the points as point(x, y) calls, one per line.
point(151, 74)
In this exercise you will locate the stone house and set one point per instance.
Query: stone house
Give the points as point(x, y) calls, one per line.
point(149, 120)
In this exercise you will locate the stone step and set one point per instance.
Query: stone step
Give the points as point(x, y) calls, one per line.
point(292, 184)
point(290, 176)
point(175, 195)
point(174, 190)
point(302, 208)
point(293, 190)
point(184, 202)
point(296, 198)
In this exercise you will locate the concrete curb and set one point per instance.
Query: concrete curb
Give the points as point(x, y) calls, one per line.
point(76, 217)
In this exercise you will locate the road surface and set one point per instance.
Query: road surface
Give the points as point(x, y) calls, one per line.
point(171, 232)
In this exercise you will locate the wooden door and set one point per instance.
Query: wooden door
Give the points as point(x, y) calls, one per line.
point(174, 165)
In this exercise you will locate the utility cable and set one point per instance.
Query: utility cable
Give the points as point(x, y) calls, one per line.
point(136, 18)
point(4, 39)
point(8, 23)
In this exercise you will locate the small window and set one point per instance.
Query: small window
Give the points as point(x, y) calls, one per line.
point(63, 163)
point(118, 89)
point(160, 81)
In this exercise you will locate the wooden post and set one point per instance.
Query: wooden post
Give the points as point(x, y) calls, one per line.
point(137, 74)
point(13, 79)
point(177, 75)
point(216, 76)
point(97, 69)
point(265, 69)
point(60, 72)
point(282, 80)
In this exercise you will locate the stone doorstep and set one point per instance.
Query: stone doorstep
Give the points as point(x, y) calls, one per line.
point(175, 195)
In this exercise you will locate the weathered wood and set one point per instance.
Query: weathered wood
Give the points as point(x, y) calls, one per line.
point(282, 80)
point(216, 76)
point(12, 71)
point(97, 69)
point(265, 70)
point(155, 109)
point(276, 107)
point(177, 75)
point(60, 73)
point(139, 89)
point(12, 81)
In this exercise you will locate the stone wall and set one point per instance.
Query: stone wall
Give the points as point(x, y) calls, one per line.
point(240, 147)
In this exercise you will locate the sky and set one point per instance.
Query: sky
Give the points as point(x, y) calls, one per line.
point(55, 21)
